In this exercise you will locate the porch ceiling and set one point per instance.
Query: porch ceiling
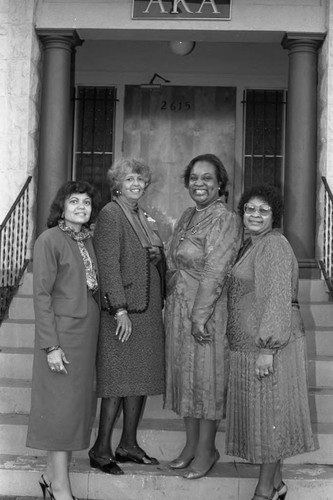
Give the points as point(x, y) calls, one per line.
point(212, 35)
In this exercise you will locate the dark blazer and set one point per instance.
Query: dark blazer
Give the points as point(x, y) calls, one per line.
point(59, 282)
point(123, 263)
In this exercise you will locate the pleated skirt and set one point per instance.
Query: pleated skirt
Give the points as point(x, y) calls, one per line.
point(269, 419)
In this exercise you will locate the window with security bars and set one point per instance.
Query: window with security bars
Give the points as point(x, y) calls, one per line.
point(264, 137)
point(94, 136)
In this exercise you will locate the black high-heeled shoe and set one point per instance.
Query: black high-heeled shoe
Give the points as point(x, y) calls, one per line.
point(273, 496)
point(136, 455)
point(48, 488)
point(106, 465)
point(282, 490)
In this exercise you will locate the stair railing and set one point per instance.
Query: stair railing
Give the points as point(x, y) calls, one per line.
point(13, 248)
point(326, 264)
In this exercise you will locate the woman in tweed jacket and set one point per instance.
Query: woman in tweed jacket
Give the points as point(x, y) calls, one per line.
point(130, 357)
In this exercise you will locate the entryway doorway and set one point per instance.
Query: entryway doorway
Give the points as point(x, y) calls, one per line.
point(169, 125)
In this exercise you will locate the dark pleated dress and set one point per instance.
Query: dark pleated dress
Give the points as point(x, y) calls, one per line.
point(268, 419)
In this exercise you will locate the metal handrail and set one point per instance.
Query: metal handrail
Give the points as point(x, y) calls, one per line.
point(326, 264)
point(13, 248)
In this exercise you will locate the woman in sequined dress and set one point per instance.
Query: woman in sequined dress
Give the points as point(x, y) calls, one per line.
point(203, 248)
point(267, 412)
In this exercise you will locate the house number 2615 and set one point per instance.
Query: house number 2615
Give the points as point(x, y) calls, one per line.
point(175, 106)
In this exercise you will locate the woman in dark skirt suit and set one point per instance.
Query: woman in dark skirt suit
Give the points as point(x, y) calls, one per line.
point(130, 355)
point(67, 321)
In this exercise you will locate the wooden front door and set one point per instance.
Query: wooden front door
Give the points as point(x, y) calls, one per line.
point(169, 126)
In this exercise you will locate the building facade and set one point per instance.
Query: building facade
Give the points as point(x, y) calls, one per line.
point(83, 83)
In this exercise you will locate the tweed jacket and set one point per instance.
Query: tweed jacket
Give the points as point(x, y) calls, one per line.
point(59, 282)
point(123, 263)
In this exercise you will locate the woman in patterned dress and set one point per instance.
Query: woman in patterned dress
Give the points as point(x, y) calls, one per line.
point(130, 354)
point(203, 248)
point(267, 411)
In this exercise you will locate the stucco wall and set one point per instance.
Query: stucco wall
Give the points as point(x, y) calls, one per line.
point(256, 16)
point(19, 96)
point(325, 121)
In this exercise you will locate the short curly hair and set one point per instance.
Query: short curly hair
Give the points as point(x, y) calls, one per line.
point(119, 169)
point(221, 173)
point(64, 192)
point(268, 194)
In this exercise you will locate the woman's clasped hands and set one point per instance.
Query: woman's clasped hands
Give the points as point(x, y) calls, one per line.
point(201, 334)
point(264, 366)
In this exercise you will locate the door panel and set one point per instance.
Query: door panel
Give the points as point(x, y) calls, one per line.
point(169, 126)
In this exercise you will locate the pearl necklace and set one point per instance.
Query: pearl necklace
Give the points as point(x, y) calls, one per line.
point(205, 208)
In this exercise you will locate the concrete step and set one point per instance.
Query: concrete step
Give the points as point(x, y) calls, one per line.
point(162, 438)
point(312, 295)
point(312, 290)
point(20, 333)
point(308, 290)
point(317, 315)
point(320, 371)
point(17, 362)
point(25, 287)
point(319, 342)
point(17, 333)
point(21, 308)
point(15, 395)
point(19, 476)
point(15, 398)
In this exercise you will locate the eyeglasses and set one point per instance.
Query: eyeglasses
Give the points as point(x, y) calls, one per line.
point(263, 210)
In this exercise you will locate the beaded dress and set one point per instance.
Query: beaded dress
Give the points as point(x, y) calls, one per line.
point(198, 260)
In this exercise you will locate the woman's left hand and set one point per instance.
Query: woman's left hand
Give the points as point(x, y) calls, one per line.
point(200, 334)
point(124, 327)
point(154, 255)
point(57, 360)
point(264, 365)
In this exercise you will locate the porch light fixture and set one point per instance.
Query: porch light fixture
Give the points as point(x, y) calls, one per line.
point(152, 85)
point(181, 47)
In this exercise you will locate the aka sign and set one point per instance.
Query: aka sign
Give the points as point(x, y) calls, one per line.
point(181, 9)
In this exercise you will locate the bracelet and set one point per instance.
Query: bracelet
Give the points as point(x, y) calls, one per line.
point(120, 313)
point(53, 348)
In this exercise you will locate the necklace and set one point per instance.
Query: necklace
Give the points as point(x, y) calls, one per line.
point(205, 208)
point(192, 230)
